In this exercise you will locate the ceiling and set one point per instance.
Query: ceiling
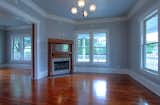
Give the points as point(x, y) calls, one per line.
point(105, 8)
point(8, 19)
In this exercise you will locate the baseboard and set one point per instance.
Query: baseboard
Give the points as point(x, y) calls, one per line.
point(155, 88)
point(16, 66)
point(2, 65)
point(42, 75)
point(104, 70)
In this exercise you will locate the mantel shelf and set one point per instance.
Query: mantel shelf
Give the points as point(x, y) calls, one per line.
point(62, 53)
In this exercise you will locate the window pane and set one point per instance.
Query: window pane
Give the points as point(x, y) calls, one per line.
point(99, 40)
point(83, 48)
point(27, 48)
point(99, 47)
point(27, 54)
point(99, 58)
point(17, 48)
point(27, 42)
point(99, 50)
point(151, 56)
point(152, 30)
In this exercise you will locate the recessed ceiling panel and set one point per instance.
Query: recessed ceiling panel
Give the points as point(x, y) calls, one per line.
point(105, 8)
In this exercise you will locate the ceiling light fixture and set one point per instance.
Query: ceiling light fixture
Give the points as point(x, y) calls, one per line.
point(81, 3)
point(85, 13)
point(74, 10)
point(92, 7)
point(82, 6)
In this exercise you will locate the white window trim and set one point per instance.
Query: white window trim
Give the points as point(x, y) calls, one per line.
point(148, 16)
point(91, 63)
point(11, 49)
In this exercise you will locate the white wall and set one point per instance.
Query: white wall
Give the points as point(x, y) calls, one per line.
point(118, 33)
point(57, 29)
point(134, 40)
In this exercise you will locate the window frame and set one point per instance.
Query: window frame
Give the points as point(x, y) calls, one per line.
point(22, 48)
point(77, 48)
point(91, 32)
point(143, 42)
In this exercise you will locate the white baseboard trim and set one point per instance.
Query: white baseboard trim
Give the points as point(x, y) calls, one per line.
point(104, 70)
point(16, 66)
point(155, 88)
point(2, 65)
point(42, 75)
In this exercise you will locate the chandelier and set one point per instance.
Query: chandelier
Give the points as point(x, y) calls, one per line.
point(82, 9)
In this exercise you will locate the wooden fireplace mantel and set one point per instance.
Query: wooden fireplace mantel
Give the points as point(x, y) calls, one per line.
point(52, 54)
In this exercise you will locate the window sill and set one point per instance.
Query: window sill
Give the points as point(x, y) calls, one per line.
point(149, 73)
point(20, 62)
point(93, 64)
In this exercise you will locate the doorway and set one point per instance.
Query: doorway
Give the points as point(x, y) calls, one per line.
point(17, 46)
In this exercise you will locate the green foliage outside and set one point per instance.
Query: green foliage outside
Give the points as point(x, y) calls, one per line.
point(151, 48)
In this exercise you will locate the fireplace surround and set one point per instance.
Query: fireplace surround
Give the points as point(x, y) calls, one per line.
point(60, 66)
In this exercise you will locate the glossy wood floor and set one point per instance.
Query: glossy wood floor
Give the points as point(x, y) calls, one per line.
point(76, 89)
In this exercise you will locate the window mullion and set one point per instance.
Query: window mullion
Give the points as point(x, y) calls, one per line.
point(144, 45)
point(107, 47)
point(91, 47)
point(22, 48)
point(12, 47)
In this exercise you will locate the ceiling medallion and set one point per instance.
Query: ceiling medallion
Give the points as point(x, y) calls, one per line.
point(81, 8)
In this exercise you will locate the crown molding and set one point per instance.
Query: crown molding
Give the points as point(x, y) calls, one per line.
point(58, 18)
point(35, 7)
point(17, 11)
point(104, 20)
point(18, 27)
point(43, 13)
point(137, 6)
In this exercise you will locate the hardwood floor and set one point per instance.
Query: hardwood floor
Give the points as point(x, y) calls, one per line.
point(76, 89)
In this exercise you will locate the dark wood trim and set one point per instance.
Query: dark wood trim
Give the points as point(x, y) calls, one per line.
point(54, 54)
point(60, 41)
point(33, 51)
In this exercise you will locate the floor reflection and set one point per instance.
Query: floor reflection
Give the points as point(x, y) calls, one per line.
point(142, 102)
point(100, 88)
point(76, 89)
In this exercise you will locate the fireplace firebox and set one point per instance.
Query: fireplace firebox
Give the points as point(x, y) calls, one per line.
point(61, 66)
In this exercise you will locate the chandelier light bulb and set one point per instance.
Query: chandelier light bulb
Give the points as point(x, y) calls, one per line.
point(74, 10)
point(92, 7)
point(81, 3)
point(85, 14)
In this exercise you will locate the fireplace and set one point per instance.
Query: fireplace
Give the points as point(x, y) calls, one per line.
point(61, 66)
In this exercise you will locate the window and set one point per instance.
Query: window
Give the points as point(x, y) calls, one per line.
point(21, 48)
point(150, 43)
point(92, 47)
point(99, 47)
point(83, 48)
